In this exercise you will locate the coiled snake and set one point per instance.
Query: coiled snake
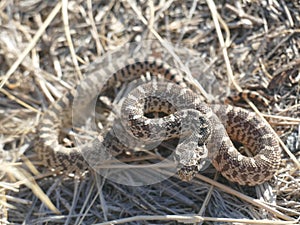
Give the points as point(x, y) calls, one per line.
point(180, 103)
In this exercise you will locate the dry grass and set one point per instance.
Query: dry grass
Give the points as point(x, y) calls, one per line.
point(47, 46)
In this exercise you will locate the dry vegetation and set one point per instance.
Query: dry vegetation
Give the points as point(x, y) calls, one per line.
point(46, 46)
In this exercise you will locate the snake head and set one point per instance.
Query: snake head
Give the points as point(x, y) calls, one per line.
point(187, 173)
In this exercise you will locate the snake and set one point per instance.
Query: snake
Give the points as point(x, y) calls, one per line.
point(200, 126)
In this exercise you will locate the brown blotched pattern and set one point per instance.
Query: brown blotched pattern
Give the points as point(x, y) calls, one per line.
point(240, 125)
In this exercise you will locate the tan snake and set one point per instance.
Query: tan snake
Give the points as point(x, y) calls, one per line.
point(241, 125)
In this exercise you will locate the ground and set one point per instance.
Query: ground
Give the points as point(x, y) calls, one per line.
point(46, 47)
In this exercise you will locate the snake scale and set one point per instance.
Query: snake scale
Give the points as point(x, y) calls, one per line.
point(240, 125)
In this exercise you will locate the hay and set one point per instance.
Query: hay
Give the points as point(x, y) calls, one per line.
point(46, 47)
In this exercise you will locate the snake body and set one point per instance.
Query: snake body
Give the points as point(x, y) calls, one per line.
point(240, 125)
